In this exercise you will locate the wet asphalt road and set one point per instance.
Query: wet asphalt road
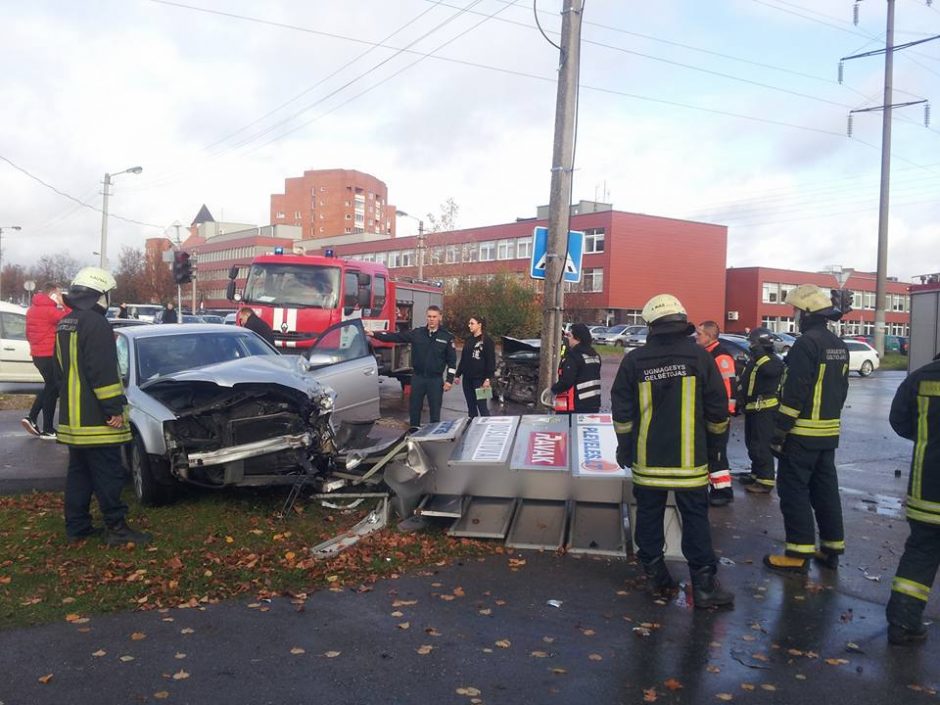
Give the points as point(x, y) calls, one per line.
point(787, 640)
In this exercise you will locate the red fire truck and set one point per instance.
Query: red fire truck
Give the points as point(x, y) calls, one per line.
point(300, 296)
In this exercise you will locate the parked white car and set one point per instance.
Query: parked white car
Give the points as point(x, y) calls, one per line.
point(863, 358)
point(16, 364)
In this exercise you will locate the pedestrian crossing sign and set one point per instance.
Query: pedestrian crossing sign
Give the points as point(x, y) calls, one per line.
point(572, 261)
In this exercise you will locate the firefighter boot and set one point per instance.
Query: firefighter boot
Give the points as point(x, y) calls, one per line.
point(905, 626)
point(827, 559)
point(120, 533)
point(659, 582)
point(707, 591)
point(785, 563)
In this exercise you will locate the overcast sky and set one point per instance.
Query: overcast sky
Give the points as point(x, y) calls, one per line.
point(726, 111)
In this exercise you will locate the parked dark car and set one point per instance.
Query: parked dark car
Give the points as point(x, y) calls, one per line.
point(517, 372)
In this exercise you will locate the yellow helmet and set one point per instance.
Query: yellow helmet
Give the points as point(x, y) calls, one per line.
point(810, 298)
point(663, 309)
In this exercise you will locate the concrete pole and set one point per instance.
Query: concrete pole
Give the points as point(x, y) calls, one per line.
point(881, 285)
point(560, 195)
point(421, 249)
point(103, 247)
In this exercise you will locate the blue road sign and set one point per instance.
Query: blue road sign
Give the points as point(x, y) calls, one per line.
point(572, 262)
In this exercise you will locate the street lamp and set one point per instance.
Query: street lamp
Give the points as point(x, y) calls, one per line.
point(402, 214)
point(2, 228)
point(104, 212)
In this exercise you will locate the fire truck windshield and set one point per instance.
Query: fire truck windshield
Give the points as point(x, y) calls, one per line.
point(293, 285)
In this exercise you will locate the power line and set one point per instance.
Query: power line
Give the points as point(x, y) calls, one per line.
point(73, 198)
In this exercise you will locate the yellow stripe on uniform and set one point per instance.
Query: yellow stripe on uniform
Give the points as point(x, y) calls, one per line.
point(109, 391)
point(801, 547)
point(817, 392)
point(74, 382)
point(789, 411)
point(920, 445)
point(646, 416)
point(623, 426)
point(687, 422)
point(910, 588)
point(928, 389)
point(833, 545)
point(717, 427)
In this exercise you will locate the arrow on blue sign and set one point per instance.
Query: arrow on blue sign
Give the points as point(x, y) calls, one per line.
point(540, 254)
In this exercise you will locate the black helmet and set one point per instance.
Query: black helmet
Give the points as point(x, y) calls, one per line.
point(761, 337)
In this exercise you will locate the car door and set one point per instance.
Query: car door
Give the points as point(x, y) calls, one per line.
point(856, 355)
point(16, 364)
point(342, 359)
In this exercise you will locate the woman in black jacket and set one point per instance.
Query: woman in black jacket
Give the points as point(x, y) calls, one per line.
point(477, 366)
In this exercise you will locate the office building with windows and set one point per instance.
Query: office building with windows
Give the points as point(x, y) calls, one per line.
point(757, 297)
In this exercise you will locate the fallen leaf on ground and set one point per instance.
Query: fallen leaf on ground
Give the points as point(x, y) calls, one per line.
point(548, 639)
point(431, 631)
point(458, 591)
point(127, 659)
point(768, 686)
point(297, 651)
point(404, 625)
point(447, 598)
point(559, 671)
point(748, 686)
point(539, 654)
point(672, 684)
point(179, 655)
point(650, 695)
point(836, 661)
point(332, 654)
point(587, 632)
point(595, 657)
point(45, 679)
point(180, 675)
point(161, 695)
point(404, 603)
point(504, 643)
point(486, 611)
point(99, 652)
point(712, 668)
point(397, 613)
point(187, 630)
point(425, 649)
point(137, 636)
point(724, 696)
point(467, 690)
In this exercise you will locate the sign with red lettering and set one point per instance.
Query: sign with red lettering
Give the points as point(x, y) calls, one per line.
point(594, 419)
point(597, 452)
point(547, 449)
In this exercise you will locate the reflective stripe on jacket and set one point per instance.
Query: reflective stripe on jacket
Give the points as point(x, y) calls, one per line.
point(669, 402)
point(814, 388)
point(915, 414)
point(760, 382)
point(579, 381)
point(726, 369)
point(91, 391)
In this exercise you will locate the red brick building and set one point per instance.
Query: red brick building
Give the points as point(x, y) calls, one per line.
point(328, 202)
point(628, 258)
point(757, 295)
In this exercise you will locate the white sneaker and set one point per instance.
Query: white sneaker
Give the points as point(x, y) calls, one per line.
point(48, 435)
point(30, 426)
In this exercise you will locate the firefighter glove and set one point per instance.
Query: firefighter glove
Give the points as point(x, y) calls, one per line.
point(624, 452)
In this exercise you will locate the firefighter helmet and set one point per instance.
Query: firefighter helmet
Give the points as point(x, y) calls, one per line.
point(761, 337)
point(664, 308)
point(814, 300)
point(90, 288)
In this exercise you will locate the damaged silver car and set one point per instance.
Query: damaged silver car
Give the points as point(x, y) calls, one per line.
point(216, 406)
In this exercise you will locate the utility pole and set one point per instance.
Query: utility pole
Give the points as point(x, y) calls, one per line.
point(179, 288)
point(881, 282)
point(421, 249)
point(559, 208)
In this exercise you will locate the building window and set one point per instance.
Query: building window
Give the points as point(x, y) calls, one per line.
point(524, 247)
point(470, 252)
point(279, 215)
point(487, 251)
point(506, 249)
point(436, 255)
point(452, 254)
point(394, 259)
point(592, 280)
point(775, 293)
point(408, 258)
point(593, 240)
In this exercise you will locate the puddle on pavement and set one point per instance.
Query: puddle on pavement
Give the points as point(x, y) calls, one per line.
point(881, 504)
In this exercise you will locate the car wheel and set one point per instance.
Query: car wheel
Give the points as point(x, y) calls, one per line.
point(620, 343)
point(148, 490)
point(866, 368)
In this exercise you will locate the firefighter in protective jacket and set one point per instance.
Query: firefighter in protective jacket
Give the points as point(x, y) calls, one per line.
point(92, 411)
point(720, 491)
point(670, 409)
point(915, 414)
point(578, 388)
point(806, 435)
point(758, 397)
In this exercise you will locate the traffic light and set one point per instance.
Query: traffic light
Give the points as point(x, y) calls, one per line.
point(182, 267)
point(842, 299)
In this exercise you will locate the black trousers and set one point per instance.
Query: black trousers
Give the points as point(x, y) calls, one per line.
point(916, 572)
point(758, 432)
point(809, 487)
point(475, 407)
point(721, 463)
point(696, 532)
point(45, 401)
point(98, 471)
point(431, 387)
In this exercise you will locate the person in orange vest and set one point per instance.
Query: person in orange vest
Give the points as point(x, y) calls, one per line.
point(719, 473)
point(578, 389)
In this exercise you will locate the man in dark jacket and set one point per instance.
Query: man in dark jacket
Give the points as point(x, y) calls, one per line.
point(247, 318)
point(669, 410)
point(758, 397)
point(915, 414)
point(433, 357)
point(92, 412)
point(42, 317)
point(169, 314)
point(578, 389)
point(806, 435)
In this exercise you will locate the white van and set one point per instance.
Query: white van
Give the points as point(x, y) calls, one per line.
point(16, 364)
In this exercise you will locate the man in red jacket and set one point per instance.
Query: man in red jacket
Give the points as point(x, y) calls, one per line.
point(41, 321)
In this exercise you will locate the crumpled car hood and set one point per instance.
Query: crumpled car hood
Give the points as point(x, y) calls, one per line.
point(250, 370)
point(521, 350)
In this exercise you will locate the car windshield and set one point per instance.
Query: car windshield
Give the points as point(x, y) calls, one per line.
point(293, 285)
point(162, 355)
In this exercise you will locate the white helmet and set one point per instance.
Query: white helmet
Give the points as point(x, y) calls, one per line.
point(90, 288)
point(663, 309)
point(812, 299)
